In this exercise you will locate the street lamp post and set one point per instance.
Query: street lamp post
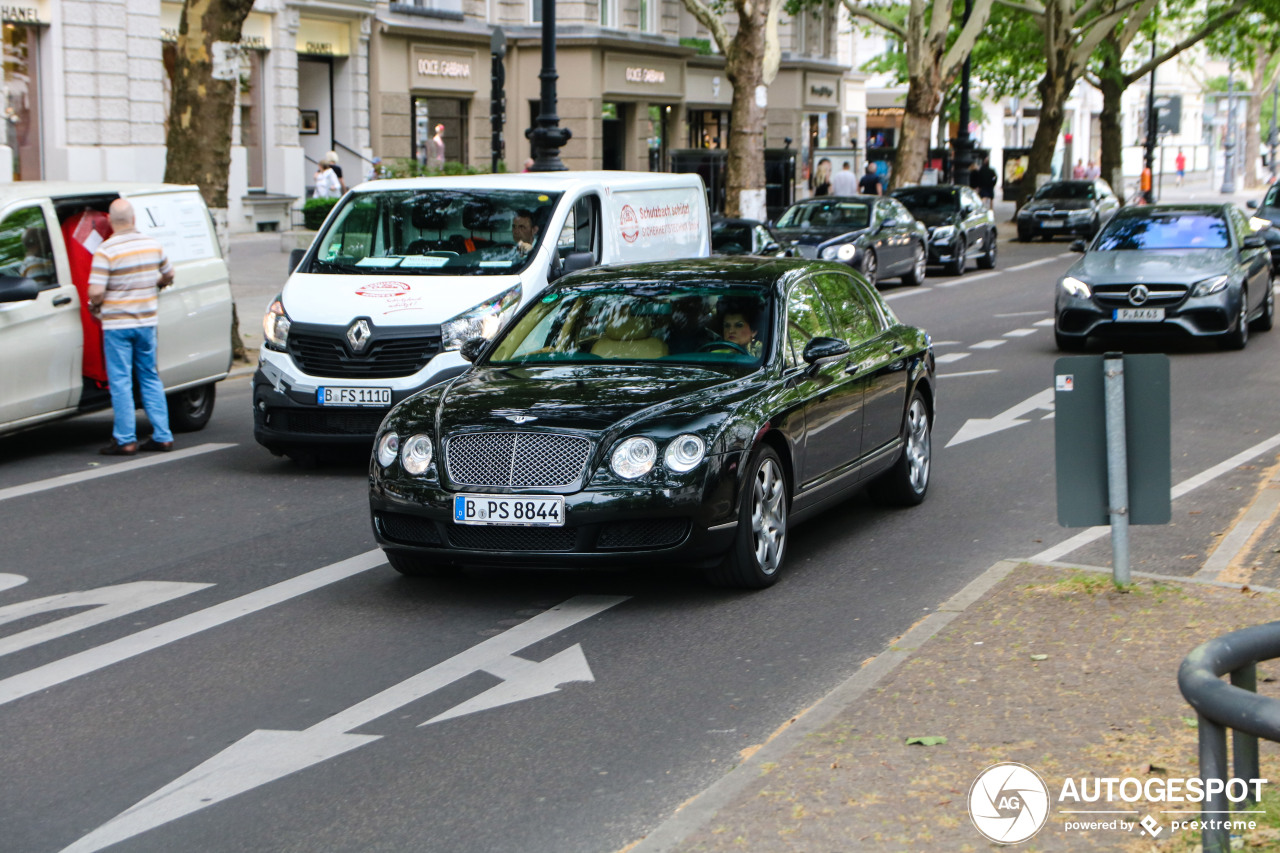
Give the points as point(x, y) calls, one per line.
point(548, 137)
point(1273, 138)
point(1228, 147)
point(963, 144)
point(497, 94)
point(1150, 155)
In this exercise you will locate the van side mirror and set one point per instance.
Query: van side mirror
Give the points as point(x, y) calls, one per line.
point(295, 258)
point(1078, 245)
point(575, 261)
point(15, 288)
point(821, 349)
point(471, 348)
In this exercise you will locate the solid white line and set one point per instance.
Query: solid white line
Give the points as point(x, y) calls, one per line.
point(967, 373)
point(107, 470)
point(1022, 314)
point(1029, 264)
point(898, 294)
point(91, 660)
point(1090, 534)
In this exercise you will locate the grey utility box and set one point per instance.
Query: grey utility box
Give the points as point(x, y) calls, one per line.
point(1080, 439)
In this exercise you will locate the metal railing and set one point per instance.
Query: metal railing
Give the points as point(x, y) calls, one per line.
point(1236, 706)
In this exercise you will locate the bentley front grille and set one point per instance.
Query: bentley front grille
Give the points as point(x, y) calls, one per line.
point(516, 459)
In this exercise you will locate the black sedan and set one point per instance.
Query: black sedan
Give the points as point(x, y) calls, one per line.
point(1067, 207)
point(684, 412)
point(742, 237)
point(1266, 222)
point(1196, 270)
point(873, 234)
point(960, 226)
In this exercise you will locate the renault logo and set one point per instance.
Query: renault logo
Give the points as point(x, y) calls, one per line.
point(1138, 294)
point(358, 335)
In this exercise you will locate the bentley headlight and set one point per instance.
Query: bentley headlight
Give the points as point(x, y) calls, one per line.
point(416, 454)
point(684, 453)
point(1210, 285)
point(633, 457)
point(1075, 287)
point(275, 326)
point(388, 449)
point(482, 321)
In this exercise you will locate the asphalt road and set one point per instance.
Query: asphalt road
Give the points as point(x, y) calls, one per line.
point(199, 652)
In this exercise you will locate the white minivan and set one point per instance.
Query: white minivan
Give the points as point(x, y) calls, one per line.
point(403, 272)
point(51, 348)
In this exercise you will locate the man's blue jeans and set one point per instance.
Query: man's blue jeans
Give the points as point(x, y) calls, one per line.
point(130, 351)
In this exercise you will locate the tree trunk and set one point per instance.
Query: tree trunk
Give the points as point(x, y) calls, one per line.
point(1253, 120)
point(1054, 90)
point(1111, 83)
point(924, 98)
point(199, 139)
point(744, 183)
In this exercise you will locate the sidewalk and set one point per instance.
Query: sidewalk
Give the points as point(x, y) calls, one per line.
point(1038, 662)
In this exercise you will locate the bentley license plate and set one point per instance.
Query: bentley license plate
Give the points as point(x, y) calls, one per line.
point(525, 511)
point(330, 395)
point(1138, 315)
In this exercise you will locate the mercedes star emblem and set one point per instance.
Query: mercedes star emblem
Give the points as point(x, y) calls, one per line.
point(1138, 294)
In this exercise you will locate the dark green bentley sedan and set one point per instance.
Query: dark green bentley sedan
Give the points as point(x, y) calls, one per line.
point(685, 412)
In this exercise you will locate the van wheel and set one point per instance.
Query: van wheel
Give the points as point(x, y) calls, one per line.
point(191, 409)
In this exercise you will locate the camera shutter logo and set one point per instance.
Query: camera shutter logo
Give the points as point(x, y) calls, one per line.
point(1008, 802)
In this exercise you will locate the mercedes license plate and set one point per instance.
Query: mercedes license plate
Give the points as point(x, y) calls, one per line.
point(525, 511)
point(332, 395)
point(1138, 315)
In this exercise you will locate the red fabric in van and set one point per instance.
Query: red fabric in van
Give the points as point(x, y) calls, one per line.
point(82, 233)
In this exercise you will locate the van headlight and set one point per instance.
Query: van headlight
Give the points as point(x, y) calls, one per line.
point(416, 455)
point(275, 326)
point(482, 321)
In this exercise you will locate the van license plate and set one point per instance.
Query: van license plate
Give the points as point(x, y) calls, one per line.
point(329, 395)
point(526, 511)
point(1139, 315)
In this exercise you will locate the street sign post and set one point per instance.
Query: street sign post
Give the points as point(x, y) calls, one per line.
point(1112, 445)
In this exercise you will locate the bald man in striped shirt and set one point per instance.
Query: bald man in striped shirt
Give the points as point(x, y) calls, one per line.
point(129, 270)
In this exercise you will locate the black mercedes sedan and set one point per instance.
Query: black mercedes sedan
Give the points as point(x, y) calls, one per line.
point(960, 226)
point(684, 412)
point(1058, 208)
point(742, 237)
point(1192, 270)
point(873, 234)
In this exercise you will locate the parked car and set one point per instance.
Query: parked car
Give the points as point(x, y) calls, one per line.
point(686, 412)
point(1078, 208)
point(1195, 270)
point(742, 237)
point(960, 226)
point(51, 347)
point(1266, 222)
point(873, 234)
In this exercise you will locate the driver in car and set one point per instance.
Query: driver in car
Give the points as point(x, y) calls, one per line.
point(523, 231)
point(740, 328)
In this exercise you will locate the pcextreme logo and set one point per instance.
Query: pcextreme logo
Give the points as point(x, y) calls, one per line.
point(1009, 803)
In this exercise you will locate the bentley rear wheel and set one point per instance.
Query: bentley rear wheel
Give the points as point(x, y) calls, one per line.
point(907, 482)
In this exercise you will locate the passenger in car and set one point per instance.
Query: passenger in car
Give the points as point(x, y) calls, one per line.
point(740, 324)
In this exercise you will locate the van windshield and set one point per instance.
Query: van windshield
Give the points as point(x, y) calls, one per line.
point(434, 232)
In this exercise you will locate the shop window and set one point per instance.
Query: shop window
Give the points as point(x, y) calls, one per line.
point(708, 129)
point(22, 101)
point(439, 131)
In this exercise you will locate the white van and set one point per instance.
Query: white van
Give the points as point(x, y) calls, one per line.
point(51, 348)
point(404, 271)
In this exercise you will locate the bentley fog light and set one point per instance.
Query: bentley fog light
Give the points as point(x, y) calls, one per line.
point(1075, 287)
point(416, 454)
point(633, 457)
point(388, 449)
point(275, 326)
point(684, 453)
point(1210, 285)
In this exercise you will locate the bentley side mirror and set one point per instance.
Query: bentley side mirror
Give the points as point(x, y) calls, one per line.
point(471, 348)
point(1078, 245)
point(822, 349)
point(295, 258)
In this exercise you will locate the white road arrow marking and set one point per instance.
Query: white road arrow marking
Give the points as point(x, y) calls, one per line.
point(979, 427)
point(265, 756)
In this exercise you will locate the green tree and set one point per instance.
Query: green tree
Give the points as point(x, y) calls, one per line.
point(205, 79)
point(752, 54)
point(1252, 42)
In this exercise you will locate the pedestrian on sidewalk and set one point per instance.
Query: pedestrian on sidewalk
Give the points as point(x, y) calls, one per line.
point(984, 181)
point(871, 183)
point(844, 182)
point(129, 271)
point(1180, 164)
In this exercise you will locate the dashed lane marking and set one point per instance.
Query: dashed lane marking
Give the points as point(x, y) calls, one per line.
point(107, 470)
point(988, 344)
point(952, 356)
point(966, 373)
point(1019, 333)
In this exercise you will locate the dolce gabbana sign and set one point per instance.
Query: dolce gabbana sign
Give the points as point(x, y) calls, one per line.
point(432, 68)
point(644, 75)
